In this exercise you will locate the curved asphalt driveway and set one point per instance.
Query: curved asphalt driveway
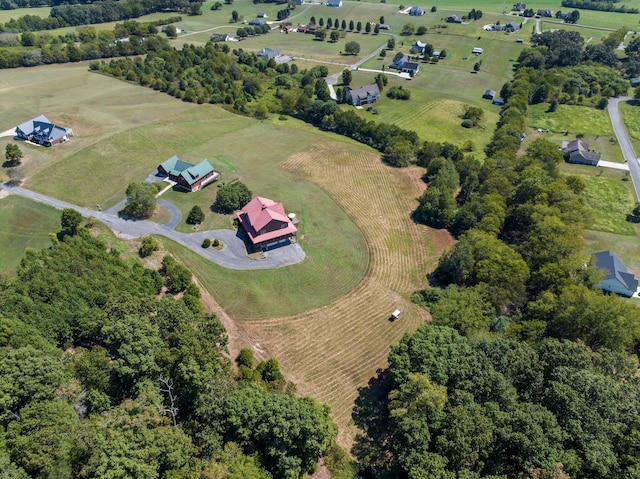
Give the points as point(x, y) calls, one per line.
point(232, 256)
point(624, 142)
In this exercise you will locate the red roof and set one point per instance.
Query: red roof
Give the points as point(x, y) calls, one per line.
point(262, 213)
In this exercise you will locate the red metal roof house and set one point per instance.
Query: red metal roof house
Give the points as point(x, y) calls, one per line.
point(266, 224)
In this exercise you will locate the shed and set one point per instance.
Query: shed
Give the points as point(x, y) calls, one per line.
point(498, 101)
point(395, 314)
point(262, 15)
point(257, 22)
point(489, 94)
point(477, 51)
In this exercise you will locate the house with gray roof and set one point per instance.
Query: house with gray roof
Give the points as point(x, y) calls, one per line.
point(42, 132)
point(365, 95)
point(489, 94)
point(616, 277)
point(334, 3)
point(418, 47)
point(576, 151)
point(257, 22)
point(416, 11)
point(187, 176)
point(453, 19)
point(268, 53)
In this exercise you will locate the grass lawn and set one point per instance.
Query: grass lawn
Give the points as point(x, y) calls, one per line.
point(625, 247)
point(24, 224)
point(630, 113)
point(607, 196)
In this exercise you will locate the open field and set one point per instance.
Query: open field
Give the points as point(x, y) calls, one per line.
point(608, 202)
point(631, 117)
point(24, 224)
point(332, 350)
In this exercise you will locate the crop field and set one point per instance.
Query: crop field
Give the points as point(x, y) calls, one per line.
point(332, 350)
point(24, 224)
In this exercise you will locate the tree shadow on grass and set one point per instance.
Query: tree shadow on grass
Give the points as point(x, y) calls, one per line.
point(370, 414)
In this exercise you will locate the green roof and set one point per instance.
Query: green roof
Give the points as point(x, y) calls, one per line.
point(174, 166)
point(195, 172)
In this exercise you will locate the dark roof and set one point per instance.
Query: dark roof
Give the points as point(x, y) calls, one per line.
point(498, 101)
point(416, 11)
point(42, 130)
point(489, 93)
point(268, 53)
point(612, 267)
point(410, 66)
point(364, 91)
point(575, 145)
point(257, 21)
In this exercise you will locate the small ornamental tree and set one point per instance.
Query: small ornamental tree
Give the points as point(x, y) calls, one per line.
point(334, 36)
point(148, 246)
point(351, 25)
point(206, 243)
point(196, 215)
point(346, 77)
point(13, 154)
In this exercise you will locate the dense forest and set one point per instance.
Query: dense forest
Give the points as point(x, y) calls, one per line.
point(102, 377)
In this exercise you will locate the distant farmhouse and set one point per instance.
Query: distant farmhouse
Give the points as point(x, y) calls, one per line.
point(266, 224)
point(257, 22)
point(616, 277)
point(477, 51)
point(416, 11)
point(311, 29)
point(418, 47)
point(221, 37)
point(384, 26)
point(261, 15)
point(453, 19)
point(334, 3)
point(404, 64)
point(42, 132)
point(365, 95)
point(519, 7)
point(576, 151)
point(187, 176)
point(268, 53)
point(545, 13)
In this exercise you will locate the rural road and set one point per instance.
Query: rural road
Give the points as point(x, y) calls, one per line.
point(233, 255)
point(624, 142)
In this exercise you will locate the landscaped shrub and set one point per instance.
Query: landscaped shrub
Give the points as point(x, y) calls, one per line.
point(148, 246)
point(399, 93)
point(206, 243)
point(215, 243)
point(467, 123)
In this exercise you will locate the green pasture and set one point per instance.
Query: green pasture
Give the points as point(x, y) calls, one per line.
point(134, 129)
point(608, 202)
point(433, 113)
point(24, 224)
point(6, 15)
point(625, 247)
point(630, 112)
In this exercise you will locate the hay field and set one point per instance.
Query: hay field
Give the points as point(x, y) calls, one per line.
point(332, 350)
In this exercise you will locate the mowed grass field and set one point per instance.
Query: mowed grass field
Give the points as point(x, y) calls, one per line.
point(630, 112)
point(24, 224)
point(332, 350)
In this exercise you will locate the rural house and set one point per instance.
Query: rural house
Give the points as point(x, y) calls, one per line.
point(519, 7)
point(453, 19)
point(41, 131)
point(266, 224)
point(187, 176)
point(511, 27)
point(334, 3)
point(616, 277)
point(262, 15)
point(576, 151)
point(416, 11)
point(477, 51)
point(221, 37)
point(489, 94)
point(418, 47)
point(635, 82)
point(365, 95)
point(384, 26)
point(257, 22)
point(268, 53)
point(545, 13)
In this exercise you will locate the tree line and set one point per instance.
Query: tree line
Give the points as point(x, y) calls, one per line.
point(69, 14)
point(127, 38)
point(599, 6)
point(100, 378)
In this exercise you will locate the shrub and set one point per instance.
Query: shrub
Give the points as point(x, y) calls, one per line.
point(206, 243)
point(196, 215)
point(467, 123)
point(232, 196)
point(216, 243)
point(399, 93)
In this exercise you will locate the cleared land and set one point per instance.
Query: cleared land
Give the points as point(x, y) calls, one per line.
point(24, 224)
point(332, 350)
point(630, 112)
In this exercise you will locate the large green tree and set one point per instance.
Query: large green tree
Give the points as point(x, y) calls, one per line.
point(232, 196)
point(141, 200)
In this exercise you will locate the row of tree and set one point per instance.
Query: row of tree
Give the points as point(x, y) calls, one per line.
point(69, 14)
point(609, 6)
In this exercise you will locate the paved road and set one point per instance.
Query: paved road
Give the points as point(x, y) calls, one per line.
point(624, 142)
point(232, 256)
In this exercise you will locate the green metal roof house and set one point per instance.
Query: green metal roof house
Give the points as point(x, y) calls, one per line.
point(616, 277)
point(188, 176)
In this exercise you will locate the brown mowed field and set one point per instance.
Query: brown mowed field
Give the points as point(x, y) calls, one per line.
point(331, 351)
